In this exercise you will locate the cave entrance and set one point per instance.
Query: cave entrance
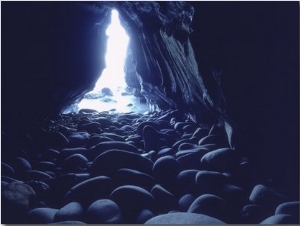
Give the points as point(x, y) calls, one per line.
point(110, 92)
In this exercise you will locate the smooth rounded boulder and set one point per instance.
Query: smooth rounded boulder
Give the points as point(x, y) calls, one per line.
point(183, 218)
point(110, 161)
point(17, 198)
point(131, 200)
point(165, 171)
point(103, 211)
point(221, 160)
point(211, 205)
point(291, 208)
point(70, 212)
point(90, 190)
point(41, 215)
point(125, 176)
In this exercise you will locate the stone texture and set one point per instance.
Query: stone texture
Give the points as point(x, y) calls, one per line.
point(17, 198)
point(183, 218)
point(70, 212)
point(131, 200)
point(110, 161)
point(103, 211)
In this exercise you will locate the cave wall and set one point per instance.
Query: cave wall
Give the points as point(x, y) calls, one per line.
point(53, 52)
point(256, 47)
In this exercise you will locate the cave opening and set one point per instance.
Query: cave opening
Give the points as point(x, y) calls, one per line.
point(111, 92)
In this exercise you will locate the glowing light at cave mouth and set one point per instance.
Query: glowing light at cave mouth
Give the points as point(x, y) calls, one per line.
point(113, 76)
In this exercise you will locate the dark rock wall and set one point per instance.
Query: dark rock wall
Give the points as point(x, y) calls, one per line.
point(53, 52)
point(256, 47)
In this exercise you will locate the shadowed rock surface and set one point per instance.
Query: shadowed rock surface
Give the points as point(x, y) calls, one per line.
point(222, 80)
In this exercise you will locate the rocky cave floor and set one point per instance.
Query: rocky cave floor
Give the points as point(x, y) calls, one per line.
point(150, 168)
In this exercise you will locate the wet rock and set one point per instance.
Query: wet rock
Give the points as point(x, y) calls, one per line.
point(103, 211)
point(56, 140)
point(78, 139)
point(71, 212)
point(143, 216)
point(50, 154)
point(41, 215)
point(210, 182)
point(200, 133)
point(67, 152)
point(43, 166)
point(151, 155)
point(7, 170)
point(235, 196)
point(110, 161)
point(214, 139)
point(186, 181)
point(164, 200)
point(131, 200)
point(291, 208)
point(69, 222)
point(90, 190)
point(266, 196)
point(127, 128)
point(20, 165)
point(109, 145)
point(252, 214)
point(222, 160)
point(150, 137)
point(104, 121)
point(211, 205)
point(183, 218)
point(217, 130)
point(190, 159)
point(41, 189)
point(281, 219)
point(90, 127)
point(125, 176)
point(17, 198)
point(165, 152)
point(185, 202)
point(75, 163)
point(165, 171)
point(107, 91)
point(96, 139)
point(35, 175)
point(186, 146)
point(113, 136)
point(142, 125)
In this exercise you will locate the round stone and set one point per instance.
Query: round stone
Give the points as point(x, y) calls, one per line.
point(183, 218)
point(291, 208)
point(143, 216)
point(90, 190)
point(75, 163)
point(17, 198)
point(125, 176)
point(111, 161)
point(165, 171)
point(70, 212)
point(41, 215)
point(164, 200)
point(210, 181)
point(131, 200)
point(185, 202)
point(221, 160)
point(186, 181)
point(211, 205)
point(103, 211)
point(281, 219)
